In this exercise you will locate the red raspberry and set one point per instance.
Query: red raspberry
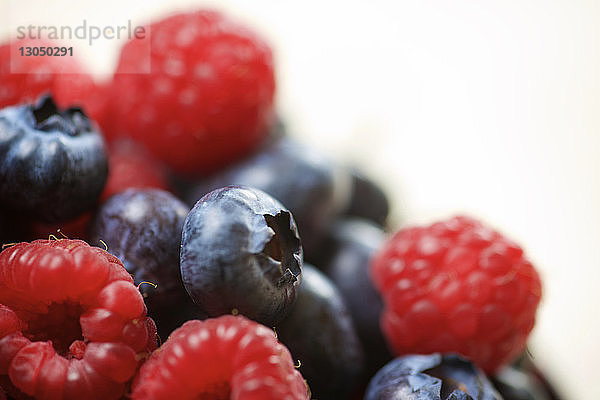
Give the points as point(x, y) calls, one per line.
point(219, 359)
point(40, 75)
point(456, 286)
point(72, 324)
point(131, 167)
point(208, 99)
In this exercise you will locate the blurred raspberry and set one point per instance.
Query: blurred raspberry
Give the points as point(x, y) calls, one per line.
point(457, 286)
point(208, 98)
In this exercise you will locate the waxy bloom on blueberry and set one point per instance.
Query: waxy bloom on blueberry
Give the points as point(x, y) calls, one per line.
point(52, 162)
point(240, 251)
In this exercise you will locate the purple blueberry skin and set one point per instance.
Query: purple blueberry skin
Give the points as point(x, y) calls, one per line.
point(350, 246)
point(367, 199)
point(430, 377)
point(523, 380)
point(241, 253)
point(53, 163)
point(514, 384)
point(320, 333)
point(142, 227)
point(306, 182)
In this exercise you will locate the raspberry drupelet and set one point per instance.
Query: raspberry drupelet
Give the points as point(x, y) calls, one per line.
point(72, 324)
point(456, 286)
point(229, 357)
point(208, 97)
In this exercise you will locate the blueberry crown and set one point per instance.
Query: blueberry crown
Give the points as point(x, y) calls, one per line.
point(47, 117)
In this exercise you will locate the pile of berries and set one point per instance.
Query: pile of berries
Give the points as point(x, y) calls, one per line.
point(163, 238)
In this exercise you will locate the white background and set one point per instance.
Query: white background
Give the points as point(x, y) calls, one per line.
point(484, 107)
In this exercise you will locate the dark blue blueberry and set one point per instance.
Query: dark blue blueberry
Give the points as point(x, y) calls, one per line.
point(142, 227)
point(430, 377)
point(349, 247)
point(319, 332)
point(52, 162)
point(523, 380)
point(514, 384)
point(367, 199)
point(306, 182)
point(241, 252)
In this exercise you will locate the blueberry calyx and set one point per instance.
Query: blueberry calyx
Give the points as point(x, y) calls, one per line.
point(283, 247)
point(449, 384)
point(431, 377)
point(48, 118)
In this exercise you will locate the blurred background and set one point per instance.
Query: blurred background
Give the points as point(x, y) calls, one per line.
point(482, 107)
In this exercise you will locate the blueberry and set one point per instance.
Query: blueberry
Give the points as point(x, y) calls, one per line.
point(142, 227)
point(319, 332)
point(515, 384)
point(367, 199)
point(241, 252)
point(430, 377)
point(306, 182)
point(349, 247)
point(524, 381)
point(52, 162)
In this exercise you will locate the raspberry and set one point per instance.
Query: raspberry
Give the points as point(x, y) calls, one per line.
point(456, 286)
point(131, 167)
point(208, 99)
point(72, 324)
point(36, 76)
point(218, 359)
